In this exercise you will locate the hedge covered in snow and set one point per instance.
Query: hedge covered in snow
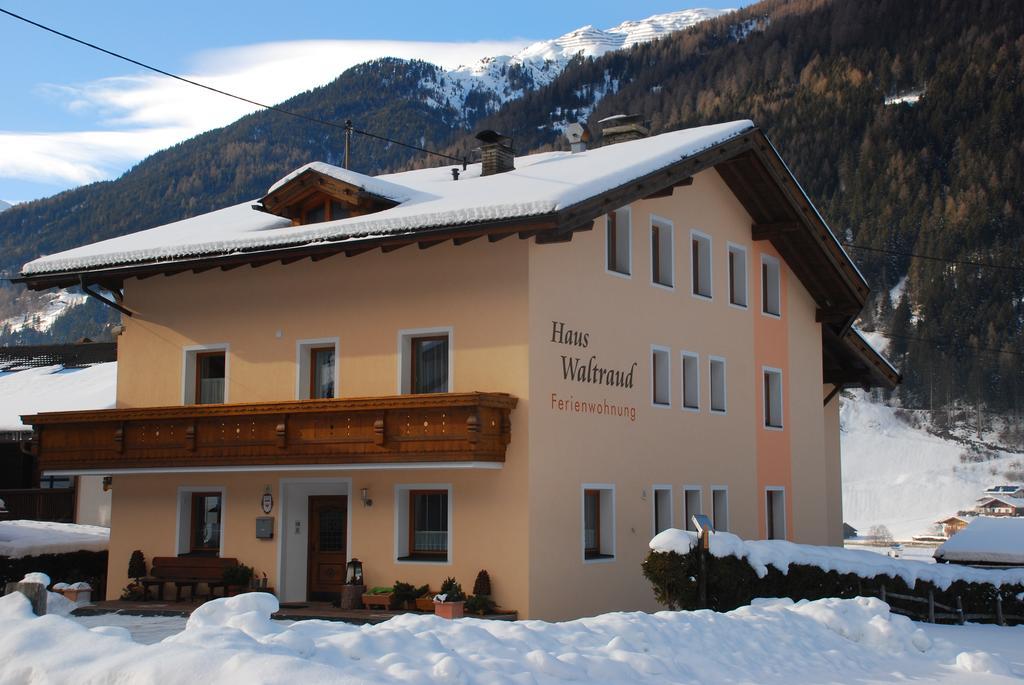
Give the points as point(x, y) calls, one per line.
point(69, 567)
point(740, 571)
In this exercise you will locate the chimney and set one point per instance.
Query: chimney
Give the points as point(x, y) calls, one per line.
point(577, 134)
point(619, 128)
point(495, 153)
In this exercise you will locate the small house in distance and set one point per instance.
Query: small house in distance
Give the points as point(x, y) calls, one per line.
point(530, 366)
point(1000, 506)
point(986, 541)
point(952, 525)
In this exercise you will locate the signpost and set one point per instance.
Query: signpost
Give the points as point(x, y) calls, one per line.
point(704, 528)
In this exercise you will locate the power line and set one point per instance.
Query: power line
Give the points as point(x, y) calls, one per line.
point(939, 344)
point(962, 262)
point(347, 126)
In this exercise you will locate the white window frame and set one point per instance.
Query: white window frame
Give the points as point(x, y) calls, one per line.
point(715, 489)
point(606, 508)
point(401, 514)
point(768, 512)
point(405, 337)
point(765, 370)
point(687, 523)
point(183, 516)
point(188, 370)
point(684, 355)
point(703, 238)
point(768, 260)
point(655, 489)
point(666, 353)
point(303, 349)
point(736, 248)
point(667, 253)
point(628, 211)
point(712, 360)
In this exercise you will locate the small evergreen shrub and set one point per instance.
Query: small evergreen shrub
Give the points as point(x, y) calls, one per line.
point(452, 590)
point(482, 586)
point(137, 565)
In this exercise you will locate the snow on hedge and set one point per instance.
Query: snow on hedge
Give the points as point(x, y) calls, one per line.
point(233, 640)
point(782, 553)
point(31, 538)
point(990, 539)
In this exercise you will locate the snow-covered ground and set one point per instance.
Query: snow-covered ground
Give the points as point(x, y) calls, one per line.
point(909, 552)
point(904, 477)
point(30, 538)
point(233, 641)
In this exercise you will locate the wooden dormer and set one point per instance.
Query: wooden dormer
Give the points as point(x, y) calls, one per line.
point(313, 196)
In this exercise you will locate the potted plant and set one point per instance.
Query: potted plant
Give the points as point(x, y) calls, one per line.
point(239, 576)
point(480, 602)
point(379, 597)
point(406, 595)
point(424, 599)
point(450, 602)
point(135, 590)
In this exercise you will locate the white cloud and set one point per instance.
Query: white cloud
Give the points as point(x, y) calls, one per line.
point(136, 115)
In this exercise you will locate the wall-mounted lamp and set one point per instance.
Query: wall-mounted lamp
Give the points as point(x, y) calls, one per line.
point(364, 495)
point(108, 483)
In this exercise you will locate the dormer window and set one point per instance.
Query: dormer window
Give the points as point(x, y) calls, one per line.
point(321, 193)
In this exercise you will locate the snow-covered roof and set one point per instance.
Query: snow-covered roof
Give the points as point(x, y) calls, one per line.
point(428, 199)
point(54, 388)
point(987, 539)
point(1017, 502)
point(370, 184)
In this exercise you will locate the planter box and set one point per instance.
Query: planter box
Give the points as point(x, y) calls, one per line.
point(425, 603)
point(449, 610)
point(78, 595)
point(378, 601)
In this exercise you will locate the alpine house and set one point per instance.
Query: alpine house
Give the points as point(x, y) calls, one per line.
point(528, 367)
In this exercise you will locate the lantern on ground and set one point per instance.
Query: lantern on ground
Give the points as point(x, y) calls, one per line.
point(354, 572)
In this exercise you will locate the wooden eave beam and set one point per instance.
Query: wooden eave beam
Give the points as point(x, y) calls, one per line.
point(774, 231)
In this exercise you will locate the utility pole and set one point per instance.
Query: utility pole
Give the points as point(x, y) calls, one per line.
point(348, 139)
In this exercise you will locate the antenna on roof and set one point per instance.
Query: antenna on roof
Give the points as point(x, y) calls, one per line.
point(348, 139)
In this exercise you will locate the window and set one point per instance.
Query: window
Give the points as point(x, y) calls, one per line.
point(700, 253)
point(55, 482)
point(737, 276)
point(770, 286)
point(775, 519)
point(691, 505)
point(691, 381)
point(720, 508)
point(718, 387)
point(423, 523)
point(662, 508)
point(661, 253)
point(205, 523)
point(426, 361)
point(661, 386)
point(598, 522)
point(617, 247)
point(318, 371)
point(772, 398)
point(210, 368)
point(323, 208)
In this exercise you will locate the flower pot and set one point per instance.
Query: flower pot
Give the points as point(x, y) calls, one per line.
point(378, 601)
point(449, 610)
point(425, 603)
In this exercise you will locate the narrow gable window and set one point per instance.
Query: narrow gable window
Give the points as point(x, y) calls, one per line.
point(617, 246)
point(772, 398)
point(717, 377)
point(661, 373)
point(321, 373)
point(720, 509)
point(210, 377)
point(700, 257)
point(775, 514)
point(429, 359)
point(737, 276)
point(771, 286)
point(691, 381)
point(598, 523)
point(661, 253)
point(691, 506)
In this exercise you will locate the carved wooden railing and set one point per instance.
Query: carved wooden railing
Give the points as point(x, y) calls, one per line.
point(442, 427)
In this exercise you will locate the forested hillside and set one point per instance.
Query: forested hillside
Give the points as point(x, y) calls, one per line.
point(938, 173)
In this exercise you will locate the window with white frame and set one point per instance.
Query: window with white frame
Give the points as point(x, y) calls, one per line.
point(737, 275)
point(700, 260)
point(661, 374)
point(690, 364)
point(661, 253)
point(423, 523)
point(318, 370)
point(775, 514)
point(426, 361)
point(716, 373)
point(771, 286)
point(720, 508)
point(598, 522)
point(617, 242)
point(662, 508)
point(772, 398)
point(200, 517)
point(691, 505)
point(205, 374)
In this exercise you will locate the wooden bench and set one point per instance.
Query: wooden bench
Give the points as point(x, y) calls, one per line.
point(188, 572)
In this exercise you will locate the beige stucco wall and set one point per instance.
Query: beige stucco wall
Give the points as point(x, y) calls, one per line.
point(92, 503)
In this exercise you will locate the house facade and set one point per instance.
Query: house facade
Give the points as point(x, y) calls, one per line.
point(529, 367)
point(1000, 506)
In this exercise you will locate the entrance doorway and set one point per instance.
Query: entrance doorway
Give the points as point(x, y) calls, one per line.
point(327, 546)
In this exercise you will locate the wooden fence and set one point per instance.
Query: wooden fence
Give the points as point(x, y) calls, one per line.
point(39, 504)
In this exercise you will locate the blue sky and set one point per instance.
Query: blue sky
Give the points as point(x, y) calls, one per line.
point(71, 115)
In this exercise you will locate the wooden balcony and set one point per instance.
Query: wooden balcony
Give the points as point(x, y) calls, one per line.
point(445, 427)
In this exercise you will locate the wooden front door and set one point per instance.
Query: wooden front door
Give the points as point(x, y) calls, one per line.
point(328, 528)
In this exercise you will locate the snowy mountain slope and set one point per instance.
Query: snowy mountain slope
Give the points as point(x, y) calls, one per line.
point(904, 477)
point(493, 81)
point(42, 319)
point(4, 205)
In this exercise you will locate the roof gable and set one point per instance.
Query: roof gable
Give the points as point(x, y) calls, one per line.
point(314, 194)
